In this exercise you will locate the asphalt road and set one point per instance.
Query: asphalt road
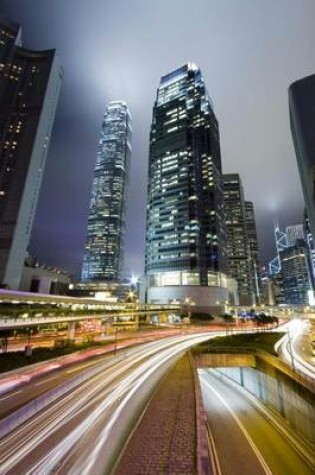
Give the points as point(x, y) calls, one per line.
point(296, 350)
point(23, 385)
point(245, 441)
point(83, 431)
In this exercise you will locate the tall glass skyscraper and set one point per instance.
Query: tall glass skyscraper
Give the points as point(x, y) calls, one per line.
point(103, 259)
point(30, 82)
point(239, 253)
point(302, 121)
point(254, 249)
point(185, 232)
point(296, 273)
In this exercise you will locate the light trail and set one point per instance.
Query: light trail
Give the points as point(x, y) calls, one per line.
point(16, 379)
point(288, 348)
point(75, 434)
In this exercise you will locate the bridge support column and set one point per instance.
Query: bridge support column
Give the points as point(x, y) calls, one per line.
point(71, 330)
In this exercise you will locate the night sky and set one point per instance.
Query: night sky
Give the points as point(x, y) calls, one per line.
point(249, 52)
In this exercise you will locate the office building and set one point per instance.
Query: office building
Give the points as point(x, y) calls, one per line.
point(185, 232)
point(302, 119)
point(281, 244)
point(293, 233)
point(238, 248)
point(296, 274)
point(252, 241)
point(104, 251)
point(310, 245)
point(30, 83)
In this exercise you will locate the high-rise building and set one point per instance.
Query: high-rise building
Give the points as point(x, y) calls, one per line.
point(296, 274)
point(302, 119)
point(103, 259)
point(185, 231)
point(238, 248)
point(281, 244)
point(310, 245)
point(252, 240)
point(293, 233)
point(30, 83)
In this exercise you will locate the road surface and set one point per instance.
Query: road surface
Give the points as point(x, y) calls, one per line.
point(295, 348)
point(83, 432)
point(245, 441)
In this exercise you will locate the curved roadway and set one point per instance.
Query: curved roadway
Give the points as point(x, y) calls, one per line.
point(83, 431)
point(245, 441)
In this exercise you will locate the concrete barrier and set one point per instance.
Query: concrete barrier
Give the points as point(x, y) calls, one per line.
point(205, 459)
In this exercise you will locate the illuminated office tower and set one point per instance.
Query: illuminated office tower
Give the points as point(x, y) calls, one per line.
point(293, 233)
point(310, 245)
point(185, 234)
point(30, 83)
point(296, 274)
point(238, 249)
point(252, 241)
point(103, 259)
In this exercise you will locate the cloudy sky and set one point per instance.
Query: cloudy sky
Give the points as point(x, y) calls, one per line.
point(249, 52)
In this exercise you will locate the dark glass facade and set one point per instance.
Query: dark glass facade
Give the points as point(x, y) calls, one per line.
point(185, 232)
point(238, 248)
point(302, 119)
point(30, 83)
point(103, 259)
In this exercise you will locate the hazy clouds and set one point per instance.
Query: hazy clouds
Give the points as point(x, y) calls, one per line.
point(249, 52)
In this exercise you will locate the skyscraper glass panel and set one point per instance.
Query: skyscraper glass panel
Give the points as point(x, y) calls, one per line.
point(103, 259)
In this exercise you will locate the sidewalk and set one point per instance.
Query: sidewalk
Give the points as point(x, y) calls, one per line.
point(165, 440)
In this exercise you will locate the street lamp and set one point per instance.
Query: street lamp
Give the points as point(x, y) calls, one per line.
point(188, 301)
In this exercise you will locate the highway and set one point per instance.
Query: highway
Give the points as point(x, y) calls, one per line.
point(295, 348)
point(245, 441)
point(83, 431)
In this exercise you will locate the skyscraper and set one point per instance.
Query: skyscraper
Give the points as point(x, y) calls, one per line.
point(296, 274)
point(293, 233)
point(302, 119)
point(103, 259)
point(30, 83)
point(310, 245)
point(251, 232)
point(238, 249)
point(185, 233)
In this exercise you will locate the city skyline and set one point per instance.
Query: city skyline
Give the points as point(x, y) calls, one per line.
point(241, 81)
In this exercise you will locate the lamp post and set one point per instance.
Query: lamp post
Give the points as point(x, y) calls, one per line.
point(188, 302)
point(115, 343)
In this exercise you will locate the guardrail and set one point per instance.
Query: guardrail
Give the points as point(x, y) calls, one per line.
point(12, 322)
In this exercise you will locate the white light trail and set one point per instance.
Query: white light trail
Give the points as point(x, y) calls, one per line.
point(95, 407)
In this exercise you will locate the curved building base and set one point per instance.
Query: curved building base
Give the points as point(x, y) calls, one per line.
point(196, 298)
